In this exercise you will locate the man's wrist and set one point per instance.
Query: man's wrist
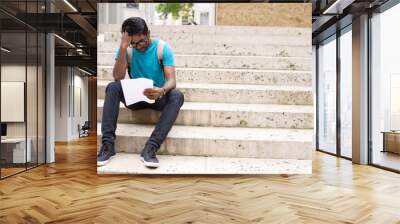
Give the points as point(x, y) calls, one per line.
point(164, 90)
point(123, 46)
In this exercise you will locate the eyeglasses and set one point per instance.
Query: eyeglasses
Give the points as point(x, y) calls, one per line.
point(140, 42)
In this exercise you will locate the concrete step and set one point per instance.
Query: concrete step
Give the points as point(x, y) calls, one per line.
point(219, 141)
point(231, 62)
point(231, 76)
point(250, 49)
point(221, 34)
point(237, 93)
point(224, 115)
point(129, 163)
point(218, 39)
point(238, 30)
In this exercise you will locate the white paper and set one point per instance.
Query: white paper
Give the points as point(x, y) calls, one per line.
point(133, 90)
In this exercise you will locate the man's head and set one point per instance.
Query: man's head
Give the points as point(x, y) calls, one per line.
point(138, 31)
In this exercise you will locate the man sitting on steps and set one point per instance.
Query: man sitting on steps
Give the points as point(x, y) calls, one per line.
point(149, 58)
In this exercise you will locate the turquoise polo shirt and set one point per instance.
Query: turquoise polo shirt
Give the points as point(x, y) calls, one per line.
point(146, 65)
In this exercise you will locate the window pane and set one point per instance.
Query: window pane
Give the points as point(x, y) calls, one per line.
point(346, 93)
point(386, 89)
point(327, 96)
point(13, 85)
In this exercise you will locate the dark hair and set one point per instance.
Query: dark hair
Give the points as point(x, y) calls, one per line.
point(134, 26)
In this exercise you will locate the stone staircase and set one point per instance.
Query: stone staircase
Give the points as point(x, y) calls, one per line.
point(247, 94)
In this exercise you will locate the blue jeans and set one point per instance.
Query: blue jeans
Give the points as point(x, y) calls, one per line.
point(169, 105)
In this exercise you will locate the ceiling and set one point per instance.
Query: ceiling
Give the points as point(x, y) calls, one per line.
point(330, 15)
point(75, 22)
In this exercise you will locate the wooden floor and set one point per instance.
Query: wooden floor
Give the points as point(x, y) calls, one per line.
point(10, 171)
point(70, 191)
point(387, 159)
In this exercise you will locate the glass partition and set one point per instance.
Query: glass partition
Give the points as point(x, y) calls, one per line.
point(31, 98)
point(22, 77)
point(385, 89)
point(346, 92)
point(14, 153)
point(327, 95)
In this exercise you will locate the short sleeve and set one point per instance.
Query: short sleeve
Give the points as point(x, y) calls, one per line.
point(168, 55)
point(117, 54)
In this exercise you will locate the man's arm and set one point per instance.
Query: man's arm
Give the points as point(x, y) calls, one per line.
point(156, 92)
point(121, 64)
point(170, 83)
point(169, 72)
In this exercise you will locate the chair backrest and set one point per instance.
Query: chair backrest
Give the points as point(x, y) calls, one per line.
point(86, 125)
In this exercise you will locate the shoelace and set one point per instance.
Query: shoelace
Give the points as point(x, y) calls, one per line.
point(103, 150)
point(152, 153)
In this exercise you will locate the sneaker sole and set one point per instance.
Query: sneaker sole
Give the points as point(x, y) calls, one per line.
point(102, 163)
point(149, 164)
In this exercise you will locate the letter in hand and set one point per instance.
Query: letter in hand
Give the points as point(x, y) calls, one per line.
point(153, 93)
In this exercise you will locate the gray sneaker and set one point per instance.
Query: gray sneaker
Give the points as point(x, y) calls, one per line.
point(106, 153)
point(148, 156)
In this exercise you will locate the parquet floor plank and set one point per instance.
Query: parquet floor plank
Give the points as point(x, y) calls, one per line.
point(70, 191)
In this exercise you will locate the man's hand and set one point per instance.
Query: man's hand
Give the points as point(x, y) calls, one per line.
point(121, 64)
point(125, 40)
point(153, 93)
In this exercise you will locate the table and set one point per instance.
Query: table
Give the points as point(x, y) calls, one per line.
point(391, 141)
point(16, 147)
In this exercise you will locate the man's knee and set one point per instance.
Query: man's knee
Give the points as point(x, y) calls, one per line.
point(177, 96)
point(114, 87)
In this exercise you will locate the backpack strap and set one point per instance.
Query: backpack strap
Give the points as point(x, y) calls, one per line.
point(160, 48)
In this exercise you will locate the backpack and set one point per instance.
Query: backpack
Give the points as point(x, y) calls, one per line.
point(160, 48)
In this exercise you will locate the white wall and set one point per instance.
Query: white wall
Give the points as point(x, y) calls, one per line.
point(68, 83)
point(61, 103)
point(116, 13)
point(204, 8)
point(33, 126)
point(78, 118)
point(15, 72)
